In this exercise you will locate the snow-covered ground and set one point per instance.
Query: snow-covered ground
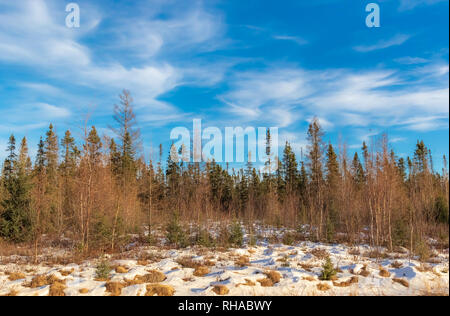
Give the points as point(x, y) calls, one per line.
point(237, 272)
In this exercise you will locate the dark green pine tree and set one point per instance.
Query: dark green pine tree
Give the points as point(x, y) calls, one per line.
point(39, 165)
point(359, 176)
point(51, 155)
point(420, 162)
point(290, 168)
point(15, 220)
point(70, 154)
point(173, 172)
point(114, 158)
point(332, 181)
point(401, 167)
point(94, 146)
point(332, 168)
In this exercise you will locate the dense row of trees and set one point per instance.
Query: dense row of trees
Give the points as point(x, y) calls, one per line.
point(100, 189)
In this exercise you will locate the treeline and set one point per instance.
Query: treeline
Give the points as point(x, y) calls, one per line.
point(99, 191)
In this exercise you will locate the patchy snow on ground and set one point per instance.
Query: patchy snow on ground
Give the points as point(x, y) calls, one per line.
point(263, 270)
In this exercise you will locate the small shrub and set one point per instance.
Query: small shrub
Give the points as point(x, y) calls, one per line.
point(204, 238)
point(400, 235)
point(175, 233)
point(236, 235)
point(289, 239)
point(103, 270)
point(441, 210)
point(422, 250)
point(328, 272)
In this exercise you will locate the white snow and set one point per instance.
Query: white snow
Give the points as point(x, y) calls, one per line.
point(298, 266)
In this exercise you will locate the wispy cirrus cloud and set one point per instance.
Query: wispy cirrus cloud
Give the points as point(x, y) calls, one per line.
point(343, 97)
point(135, 54)
point(394, 41)
point(411, 4)
point(295, 39)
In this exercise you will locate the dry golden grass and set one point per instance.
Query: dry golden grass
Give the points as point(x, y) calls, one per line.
point(266, 282)
point(187, 262)
point(12, 292)
point(120, 269)
point(352, 280)
point(83, 291)
point(221, 290)
point(384, 273)
point(307, 267)
point(401, 281)
point(201, 271)
point(142, 262)
point(247, 283)
point(424, 268)
point(364, 272)
point(354, 252)
point(309, 278)
point(323, 287)
point(274, 276)
point(160, 290)
point(115, 288)
point(14, 276)
point(66, 272)
point(396, 265)
point(57, 289)
point(152, 277)
point(242, 261)
point(42, 280)
point(319, 253)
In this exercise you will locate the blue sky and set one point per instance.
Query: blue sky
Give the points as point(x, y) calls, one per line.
point(230, 63)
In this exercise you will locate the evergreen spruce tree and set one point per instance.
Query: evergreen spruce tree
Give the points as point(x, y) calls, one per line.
point(15, 220)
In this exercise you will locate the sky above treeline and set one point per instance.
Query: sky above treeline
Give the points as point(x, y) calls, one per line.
point(230, 63)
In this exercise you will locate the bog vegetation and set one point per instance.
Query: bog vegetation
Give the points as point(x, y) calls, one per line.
point(98, 191)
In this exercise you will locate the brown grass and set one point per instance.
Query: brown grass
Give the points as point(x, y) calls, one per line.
point(115, 288)
point(83, 291)
point(352, 280)
point(66, 272)
point(160, 290)
point(274, 276)
point(14, 276)
point(152, 277)
point(221, 290)
point(401, 281)
point(142, 262)
point(266, 282)
point(187, 262)
point(57, 289)
point(323, 287)
point(309, 278)
point(42, 280)
point(201, 271)
point(319, 253)
point(424, 268)
point(12, 292)
point(384, 273)
point(396, 265)
point(354, 252)
point(247, 283)
point(120, 269)
point(242, 261)
point(305, 266)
